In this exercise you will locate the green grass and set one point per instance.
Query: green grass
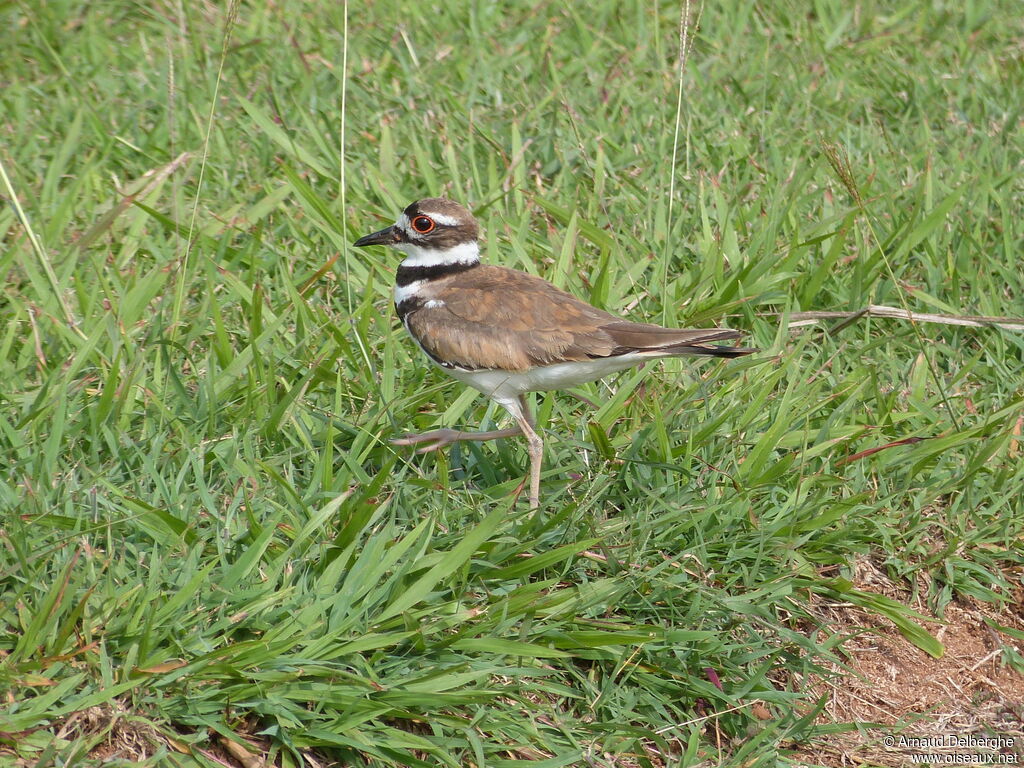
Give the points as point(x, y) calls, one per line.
point(205, 531)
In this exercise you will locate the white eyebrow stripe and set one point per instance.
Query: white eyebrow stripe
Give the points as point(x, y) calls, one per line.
point(403, 223)
point(445, 219)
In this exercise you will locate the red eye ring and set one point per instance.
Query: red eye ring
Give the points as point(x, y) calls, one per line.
point(423, 224)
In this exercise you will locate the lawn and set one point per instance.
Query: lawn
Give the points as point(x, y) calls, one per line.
point(211, 554)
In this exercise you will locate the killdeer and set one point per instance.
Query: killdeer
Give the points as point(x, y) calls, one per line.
point(506, 332)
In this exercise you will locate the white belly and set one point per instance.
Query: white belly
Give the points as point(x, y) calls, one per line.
point(507, 385)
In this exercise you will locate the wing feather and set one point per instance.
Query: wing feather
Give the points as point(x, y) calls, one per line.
point(493, 317)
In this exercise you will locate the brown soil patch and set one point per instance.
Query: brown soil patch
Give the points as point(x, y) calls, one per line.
point(110, 732)
point(964, 708)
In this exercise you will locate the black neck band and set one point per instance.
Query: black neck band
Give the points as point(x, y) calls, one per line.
point(406, 275)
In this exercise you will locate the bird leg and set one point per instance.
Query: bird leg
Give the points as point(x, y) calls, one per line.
point(535, 447)
point(439, 438)
point(519, 410)
point(534, 444)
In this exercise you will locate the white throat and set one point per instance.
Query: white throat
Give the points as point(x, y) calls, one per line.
point(418, 256)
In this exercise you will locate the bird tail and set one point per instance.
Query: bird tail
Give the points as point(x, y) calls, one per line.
point(708, 350)
point(655, 341)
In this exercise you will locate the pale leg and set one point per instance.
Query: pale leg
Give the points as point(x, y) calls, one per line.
point(519, 410)
point(535, 445)
point(439, 438)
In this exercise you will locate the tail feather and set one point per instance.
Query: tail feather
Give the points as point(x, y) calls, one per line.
point(670, 342)
point(711, 350)
point(642, 336)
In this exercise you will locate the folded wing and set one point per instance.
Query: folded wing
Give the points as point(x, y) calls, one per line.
point(509, 320)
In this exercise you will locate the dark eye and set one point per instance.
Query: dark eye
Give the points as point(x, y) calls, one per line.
point(423, 224)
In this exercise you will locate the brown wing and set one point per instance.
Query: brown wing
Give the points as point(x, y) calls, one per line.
point(493, 317)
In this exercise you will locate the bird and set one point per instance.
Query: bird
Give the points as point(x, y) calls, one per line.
point(505, 332)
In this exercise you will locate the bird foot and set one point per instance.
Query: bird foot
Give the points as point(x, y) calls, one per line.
point(435, 439)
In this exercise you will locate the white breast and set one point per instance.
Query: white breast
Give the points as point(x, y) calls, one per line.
point(403, 292)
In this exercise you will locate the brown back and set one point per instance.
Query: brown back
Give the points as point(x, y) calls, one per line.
point(493, 317)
